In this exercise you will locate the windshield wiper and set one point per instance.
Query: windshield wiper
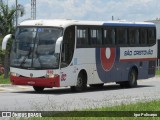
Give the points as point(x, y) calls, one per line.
point(24, 59)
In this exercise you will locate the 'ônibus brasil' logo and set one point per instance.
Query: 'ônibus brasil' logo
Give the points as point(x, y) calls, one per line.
point(107, 57)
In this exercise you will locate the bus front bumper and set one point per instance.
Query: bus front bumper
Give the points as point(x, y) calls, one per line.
point(42, 82)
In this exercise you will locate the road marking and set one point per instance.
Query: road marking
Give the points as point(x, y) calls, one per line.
point(5, 89)
point(24, 87)
point(150, 79)
point(17, 88)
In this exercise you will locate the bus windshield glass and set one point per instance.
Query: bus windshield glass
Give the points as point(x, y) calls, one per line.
point(34, 48)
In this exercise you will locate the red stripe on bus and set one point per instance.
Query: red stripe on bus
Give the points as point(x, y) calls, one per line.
point(43, 82)
point(138, 60)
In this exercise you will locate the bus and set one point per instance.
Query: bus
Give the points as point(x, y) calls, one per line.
point(62, 52)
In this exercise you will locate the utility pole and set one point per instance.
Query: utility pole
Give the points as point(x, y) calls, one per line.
point(1, 1)
point(33, 9)
point(16, 13)
point(112, 18)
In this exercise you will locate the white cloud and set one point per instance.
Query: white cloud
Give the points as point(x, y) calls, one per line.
point(136, 10)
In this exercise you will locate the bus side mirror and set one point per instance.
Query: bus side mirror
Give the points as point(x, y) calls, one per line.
point(5, 40)
point(58, 45)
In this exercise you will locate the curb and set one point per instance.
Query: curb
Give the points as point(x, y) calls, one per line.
point(10, 85)
point(6, 85)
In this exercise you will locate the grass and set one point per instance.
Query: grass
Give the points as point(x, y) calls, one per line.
point(4, 81)
point(91, 118)
point(141, 106)
point(92, 114)
point(158, 72)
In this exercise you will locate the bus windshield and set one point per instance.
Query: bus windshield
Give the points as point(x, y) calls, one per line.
point(34, 48)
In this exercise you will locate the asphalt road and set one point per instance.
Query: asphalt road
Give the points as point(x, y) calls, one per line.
point(62, 99)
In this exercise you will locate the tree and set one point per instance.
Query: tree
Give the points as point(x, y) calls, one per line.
point(7, 19)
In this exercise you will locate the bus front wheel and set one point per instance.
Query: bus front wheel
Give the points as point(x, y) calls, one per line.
point(81, 83)
point(38, 89)
point(100, 85)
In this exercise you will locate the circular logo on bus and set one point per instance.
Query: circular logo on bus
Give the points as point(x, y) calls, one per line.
point(107, 56)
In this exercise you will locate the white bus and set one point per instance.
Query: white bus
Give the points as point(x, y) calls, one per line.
point(56, 53)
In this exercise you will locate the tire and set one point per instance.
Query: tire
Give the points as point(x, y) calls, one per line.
point(81, 83)
point(97, 85)
point(132, 80)
point(38, 89)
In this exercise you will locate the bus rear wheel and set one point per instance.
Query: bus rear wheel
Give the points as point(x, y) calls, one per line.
point(38, 89)
point(81, 83)
point(132, 80)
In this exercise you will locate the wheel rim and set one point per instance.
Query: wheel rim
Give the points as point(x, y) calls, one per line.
point(79, 82)
point(133, 78)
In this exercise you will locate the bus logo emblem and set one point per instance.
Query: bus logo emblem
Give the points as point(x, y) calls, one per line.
point(31, 75)
point(108, 56)
point(63, 77)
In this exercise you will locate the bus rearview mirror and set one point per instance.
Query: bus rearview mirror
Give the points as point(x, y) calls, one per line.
point(58, 45)
point(5, 40)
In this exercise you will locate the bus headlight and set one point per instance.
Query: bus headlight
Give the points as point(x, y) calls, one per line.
point(14, 74)
point(51, 75)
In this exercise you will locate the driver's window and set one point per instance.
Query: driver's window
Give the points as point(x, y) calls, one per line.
point(68, 46)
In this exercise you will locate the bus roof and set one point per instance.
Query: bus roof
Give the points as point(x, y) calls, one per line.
point(67, 22)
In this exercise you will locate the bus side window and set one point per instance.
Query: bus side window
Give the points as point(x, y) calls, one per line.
point(121, 36)
point(99, 36)
point(133, 36)
point(151, 36)
point(96, 36)
point(93, 36)
point(109, 36)
point(82, 37)
point(113, 36)
point(143, 36)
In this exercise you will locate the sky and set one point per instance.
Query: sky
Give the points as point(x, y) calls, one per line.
point(97, 10)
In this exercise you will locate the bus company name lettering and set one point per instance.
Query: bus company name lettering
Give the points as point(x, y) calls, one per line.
point(138, 52)
point(63, 77)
